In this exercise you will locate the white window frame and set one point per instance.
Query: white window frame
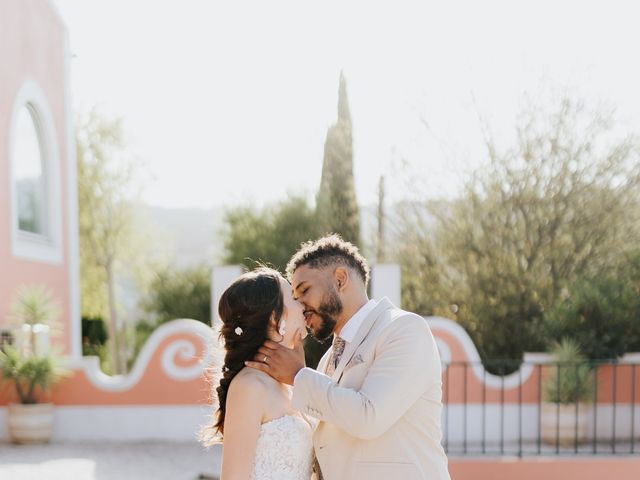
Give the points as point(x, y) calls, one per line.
point(46, 248)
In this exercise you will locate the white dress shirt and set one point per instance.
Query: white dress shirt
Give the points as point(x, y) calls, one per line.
point(349, 329)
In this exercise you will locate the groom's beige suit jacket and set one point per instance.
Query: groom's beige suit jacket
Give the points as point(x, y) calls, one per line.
point(380, 411)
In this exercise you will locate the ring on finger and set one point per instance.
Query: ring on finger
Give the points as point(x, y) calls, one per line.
point(265, 359)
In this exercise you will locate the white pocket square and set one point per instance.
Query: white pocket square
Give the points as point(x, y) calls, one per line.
point(356, 360)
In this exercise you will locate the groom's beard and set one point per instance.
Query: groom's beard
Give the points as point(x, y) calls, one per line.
point(328, 312)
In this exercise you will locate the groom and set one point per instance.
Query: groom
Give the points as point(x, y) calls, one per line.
point(377, 392)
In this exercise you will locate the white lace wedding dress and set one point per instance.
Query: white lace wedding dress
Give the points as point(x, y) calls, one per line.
point(284, 450)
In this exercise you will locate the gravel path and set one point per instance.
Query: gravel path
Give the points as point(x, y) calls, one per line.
point(109, 461)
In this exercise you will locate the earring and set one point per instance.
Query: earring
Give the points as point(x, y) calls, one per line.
point(282, 329)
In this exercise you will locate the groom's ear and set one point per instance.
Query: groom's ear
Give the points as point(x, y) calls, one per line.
point(341, 278)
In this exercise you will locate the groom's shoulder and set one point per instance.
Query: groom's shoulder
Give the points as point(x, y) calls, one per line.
point(394, 318)
point(406, 319)
point(392, 314)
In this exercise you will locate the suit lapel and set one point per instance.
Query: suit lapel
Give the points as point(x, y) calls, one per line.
point(322, 364)
point(364, 329)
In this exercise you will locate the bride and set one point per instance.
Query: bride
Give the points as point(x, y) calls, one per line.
point(263, 436)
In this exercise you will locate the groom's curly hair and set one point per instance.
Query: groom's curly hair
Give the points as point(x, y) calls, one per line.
point(245, 309)
point(329, 250)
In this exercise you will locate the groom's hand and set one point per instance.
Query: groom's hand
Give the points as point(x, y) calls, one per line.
point(280, 362)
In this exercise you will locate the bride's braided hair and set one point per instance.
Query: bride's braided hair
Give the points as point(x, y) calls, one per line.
point(245, 309)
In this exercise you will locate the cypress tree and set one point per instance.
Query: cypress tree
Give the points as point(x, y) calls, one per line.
point(337, 207)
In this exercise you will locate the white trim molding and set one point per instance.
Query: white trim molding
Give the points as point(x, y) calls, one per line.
point(47, 248)
point(75, 317)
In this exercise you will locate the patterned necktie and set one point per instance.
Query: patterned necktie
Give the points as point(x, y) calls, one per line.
point(316, 468)
point(338, 350)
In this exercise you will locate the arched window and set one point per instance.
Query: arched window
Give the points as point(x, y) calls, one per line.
point(30, 181)
point(36, 203)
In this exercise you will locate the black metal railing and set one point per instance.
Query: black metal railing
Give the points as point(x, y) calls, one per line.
point(541, 408)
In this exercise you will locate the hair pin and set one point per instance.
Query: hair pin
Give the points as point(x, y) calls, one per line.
point(238, 331)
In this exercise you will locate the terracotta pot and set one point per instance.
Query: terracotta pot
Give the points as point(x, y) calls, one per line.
point(30, 424)
point(560, 423)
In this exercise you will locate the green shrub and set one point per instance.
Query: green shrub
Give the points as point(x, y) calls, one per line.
point(180, 294)
point(602, 314)
point(94, 332)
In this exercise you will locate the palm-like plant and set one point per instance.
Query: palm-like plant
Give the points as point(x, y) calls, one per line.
point(31, 371)
point(571, 378)
point(34, 305)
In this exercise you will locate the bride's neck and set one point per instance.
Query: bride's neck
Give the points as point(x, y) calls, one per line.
point(276, 337)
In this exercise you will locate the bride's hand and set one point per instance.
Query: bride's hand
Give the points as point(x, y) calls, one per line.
point(280, 362)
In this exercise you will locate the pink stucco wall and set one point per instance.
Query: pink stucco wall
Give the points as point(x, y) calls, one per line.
point(32, 46)
point(547, 468)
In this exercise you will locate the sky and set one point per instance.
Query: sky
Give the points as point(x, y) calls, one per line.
point(229, 102)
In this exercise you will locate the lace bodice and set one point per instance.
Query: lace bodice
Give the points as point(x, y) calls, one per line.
point(284, 450)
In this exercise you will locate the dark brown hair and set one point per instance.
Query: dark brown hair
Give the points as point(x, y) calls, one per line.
point(245, 309)
point(329, 250)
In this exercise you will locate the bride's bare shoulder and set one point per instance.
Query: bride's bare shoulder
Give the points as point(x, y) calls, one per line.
point(254, 381)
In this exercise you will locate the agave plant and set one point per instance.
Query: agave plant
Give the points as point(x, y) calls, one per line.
point(571, 378)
